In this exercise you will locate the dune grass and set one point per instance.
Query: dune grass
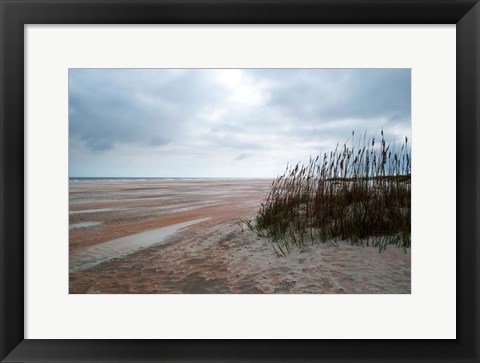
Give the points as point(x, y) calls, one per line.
point(360, 193)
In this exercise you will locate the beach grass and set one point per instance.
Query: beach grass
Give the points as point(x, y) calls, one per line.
point(359, 192)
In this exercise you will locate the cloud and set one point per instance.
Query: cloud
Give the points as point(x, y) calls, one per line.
point(331, 94)
point(143, 107)
point(242, 156)
point(164, 122)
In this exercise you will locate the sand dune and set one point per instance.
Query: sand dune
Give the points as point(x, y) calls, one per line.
point(213, 254)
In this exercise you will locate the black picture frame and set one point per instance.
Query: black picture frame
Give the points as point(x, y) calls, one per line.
point(15, 14)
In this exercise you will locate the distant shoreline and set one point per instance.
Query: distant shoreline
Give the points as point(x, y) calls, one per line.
point(107, 178)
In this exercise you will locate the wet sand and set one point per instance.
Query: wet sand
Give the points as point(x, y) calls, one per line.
point(184, 236)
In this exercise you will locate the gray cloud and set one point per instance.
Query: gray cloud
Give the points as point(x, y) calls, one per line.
point(242, 156)
point(332, 94)
point(162, 122)
point(144, 107)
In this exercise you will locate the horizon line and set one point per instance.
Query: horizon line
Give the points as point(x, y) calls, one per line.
point(173, 177)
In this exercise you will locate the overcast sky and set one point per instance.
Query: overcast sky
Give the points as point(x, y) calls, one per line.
point(225, 123)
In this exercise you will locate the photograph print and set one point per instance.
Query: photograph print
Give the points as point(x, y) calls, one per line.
point(239, 181)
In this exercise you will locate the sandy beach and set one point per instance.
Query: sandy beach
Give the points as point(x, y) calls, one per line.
point(186, 236)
